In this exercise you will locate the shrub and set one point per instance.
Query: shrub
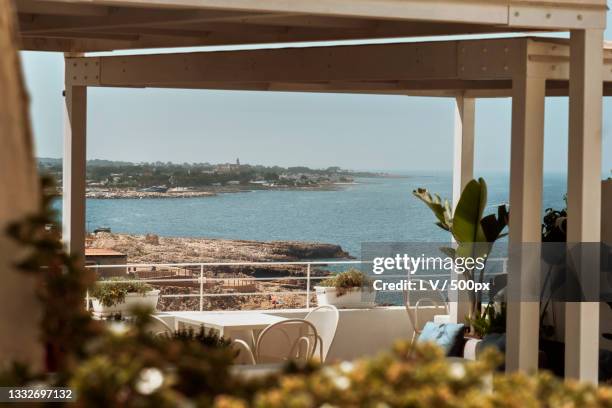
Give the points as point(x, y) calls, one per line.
point(489, 321)
point(208, 338)
point(113, 291)
point(347, 280)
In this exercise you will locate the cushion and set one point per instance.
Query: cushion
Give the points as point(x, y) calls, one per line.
point(495, 340)
point(444, 335)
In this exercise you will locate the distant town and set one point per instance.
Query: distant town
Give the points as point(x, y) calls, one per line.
point(116, 179)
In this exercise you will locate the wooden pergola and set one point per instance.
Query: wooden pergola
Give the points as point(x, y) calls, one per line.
point(526, 69)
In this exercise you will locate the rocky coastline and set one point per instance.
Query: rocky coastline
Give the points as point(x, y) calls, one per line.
point(152, 248)
point(120, 193)
point(224, 279)
point(134, 194)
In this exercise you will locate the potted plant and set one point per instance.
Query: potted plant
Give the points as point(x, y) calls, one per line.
point(473, 232)
point(488, 330)
point(119, 296)
point(348, 289)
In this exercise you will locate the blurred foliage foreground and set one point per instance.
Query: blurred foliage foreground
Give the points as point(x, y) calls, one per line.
point(113, 365)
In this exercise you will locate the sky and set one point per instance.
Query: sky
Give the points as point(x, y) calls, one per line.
point(364, 132)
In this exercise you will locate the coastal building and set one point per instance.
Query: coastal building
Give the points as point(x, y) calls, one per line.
point(524, 69)
point(101, 257)
point(228, 168)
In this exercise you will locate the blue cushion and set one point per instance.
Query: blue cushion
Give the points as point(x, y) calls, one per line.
point(443, 334)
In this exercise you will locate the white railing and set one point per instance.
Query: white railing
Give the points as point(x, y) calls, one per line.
point(202, 280)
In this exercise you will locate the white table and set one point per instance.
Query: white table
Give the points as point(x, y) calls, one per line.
point(227, 324)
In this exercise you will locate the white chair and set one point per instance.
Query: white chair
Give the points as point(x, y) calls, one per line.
point(325, 319)
point(416, 300)
point(244, 353)
point(159, 327)
point(288, 340)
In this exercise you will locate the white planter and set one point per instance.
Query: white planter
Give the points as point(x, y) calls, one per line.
point(470, 348)
point(132, 300)
point(355, 298)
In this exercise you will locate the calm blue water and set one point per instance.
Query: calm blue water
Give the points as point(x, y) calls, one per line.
point(375, 210)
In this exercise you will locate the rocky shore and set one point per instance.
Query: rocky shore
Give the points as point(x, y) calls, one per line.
point(134, 194)
point(121, 193)
point(231, 280)
point(155, 249)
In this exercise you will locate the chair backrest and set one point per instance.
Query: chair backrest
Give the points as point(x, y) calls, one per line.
point(416, 300)
point(159, 327)
point(291, 339)
point(244, 354)
point(325, 319)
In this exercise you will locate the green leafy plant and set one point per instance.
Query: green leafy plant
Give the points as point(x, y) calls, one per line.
point(206, 338)
point(474, 232)
point(114, 290)
point(554, 225)
point(554, 229)
point(489, 321)
point(347, 280)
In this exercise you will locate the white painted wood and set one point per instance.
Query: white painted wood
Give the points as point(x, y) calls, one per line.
point(468, 11)
point(463, 172)
point(463, 153)
point(606, 212)
point(474, 68)
point(20, 309)
point(584, 195)
point(526, 168)
point(74, 165)
point(555, 16)
point(425, 61)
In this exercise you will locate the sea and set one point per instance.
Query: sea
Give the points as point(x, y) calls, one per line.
point(370, 210)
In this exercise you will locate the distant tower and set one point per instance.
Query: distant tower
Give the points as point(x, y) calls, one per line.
point(237, 162)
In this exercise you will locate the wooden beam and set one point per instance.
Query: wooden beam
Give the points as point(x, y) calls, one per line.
point(467, 11)
point(92, 35)
point(432, 68)
point(119, 18)
point(463, 156)
point(259, 30)
point(162, 30)
point(20, 306)
point(526, 174)
point(74, 167)
point(463, 172)
point(60, 8)
point(561, 15)
point(302, 20)
point(348, 63)
point(584, 198)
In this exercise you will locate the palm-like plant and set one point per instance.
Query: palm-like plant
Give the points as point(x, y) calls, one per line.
point(474, 232)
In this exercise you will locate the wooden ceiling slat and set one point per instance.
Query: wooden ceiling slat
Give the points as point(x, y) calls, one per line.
point(181, 23)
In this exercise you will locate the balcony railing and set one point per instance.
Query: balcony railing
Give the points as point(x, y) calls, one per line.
point(197, 273)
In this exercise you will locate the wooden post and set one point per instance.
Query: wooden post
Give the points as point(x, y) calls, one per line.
point(463, 172)
point(606, 216)
point(584, 194)
point(526, 173)
point(20, 311)
point(463, 155)
point(74, 167)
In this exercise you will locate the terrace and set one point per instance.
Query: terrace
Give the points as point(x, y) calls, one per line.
point(526, 69)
